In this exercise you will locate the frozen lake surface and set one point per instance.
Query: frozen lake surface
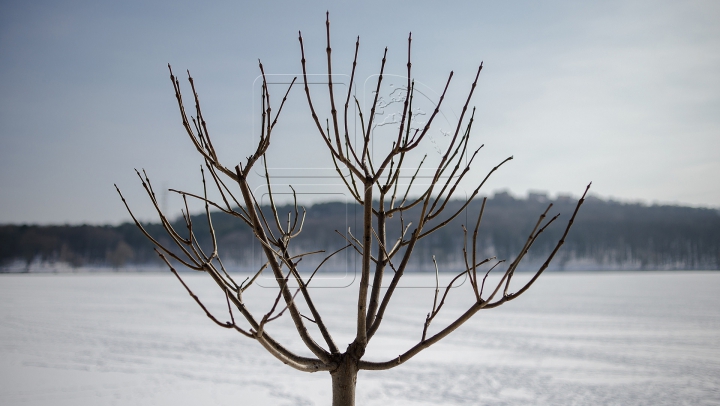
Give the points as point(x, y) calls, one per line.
point(648, 338)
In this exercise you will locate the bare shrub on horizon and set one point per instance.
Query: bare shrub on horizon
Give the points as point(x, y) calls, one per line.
point(380, 257)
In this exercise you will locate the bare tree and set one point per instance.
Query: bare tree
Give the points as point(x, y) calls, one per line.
point(377, 186)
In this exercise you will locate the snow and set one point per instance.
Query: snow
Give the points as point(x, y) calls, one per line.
point(645, 338)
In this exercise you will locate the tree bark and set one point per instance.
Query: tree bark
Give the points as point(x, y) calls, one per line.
point(344, 379)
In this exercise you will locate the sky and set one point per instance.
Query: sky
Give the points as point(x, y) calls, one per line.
point(625, 94)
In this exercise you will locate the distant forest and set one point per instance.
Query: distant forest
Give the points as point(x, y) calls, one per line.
point(607, 235)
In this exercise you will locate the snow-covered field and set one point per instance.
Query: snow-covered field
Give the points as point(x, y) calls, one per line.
point(574, 339)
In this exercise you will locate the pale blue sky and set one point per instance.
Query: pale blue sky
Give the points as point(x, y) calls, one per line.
point(623, 93)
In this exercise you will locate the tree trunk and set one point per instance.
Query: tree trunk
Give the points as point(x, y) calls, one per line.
point(344, 379)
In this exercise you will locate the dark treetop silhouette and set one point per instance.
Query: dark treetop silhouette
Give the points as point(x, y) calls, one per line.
point(609, 235)
point(374, 185)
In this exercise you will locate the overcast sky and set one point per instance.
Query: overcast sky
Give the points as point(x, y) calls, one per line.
point(622, 93)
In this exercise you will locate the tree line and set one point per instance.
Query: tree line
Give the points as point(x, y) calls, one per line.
point(607, 235)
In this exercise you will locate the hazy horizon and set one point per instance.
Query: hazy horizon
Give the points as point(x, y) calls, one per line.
point(174, 212)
